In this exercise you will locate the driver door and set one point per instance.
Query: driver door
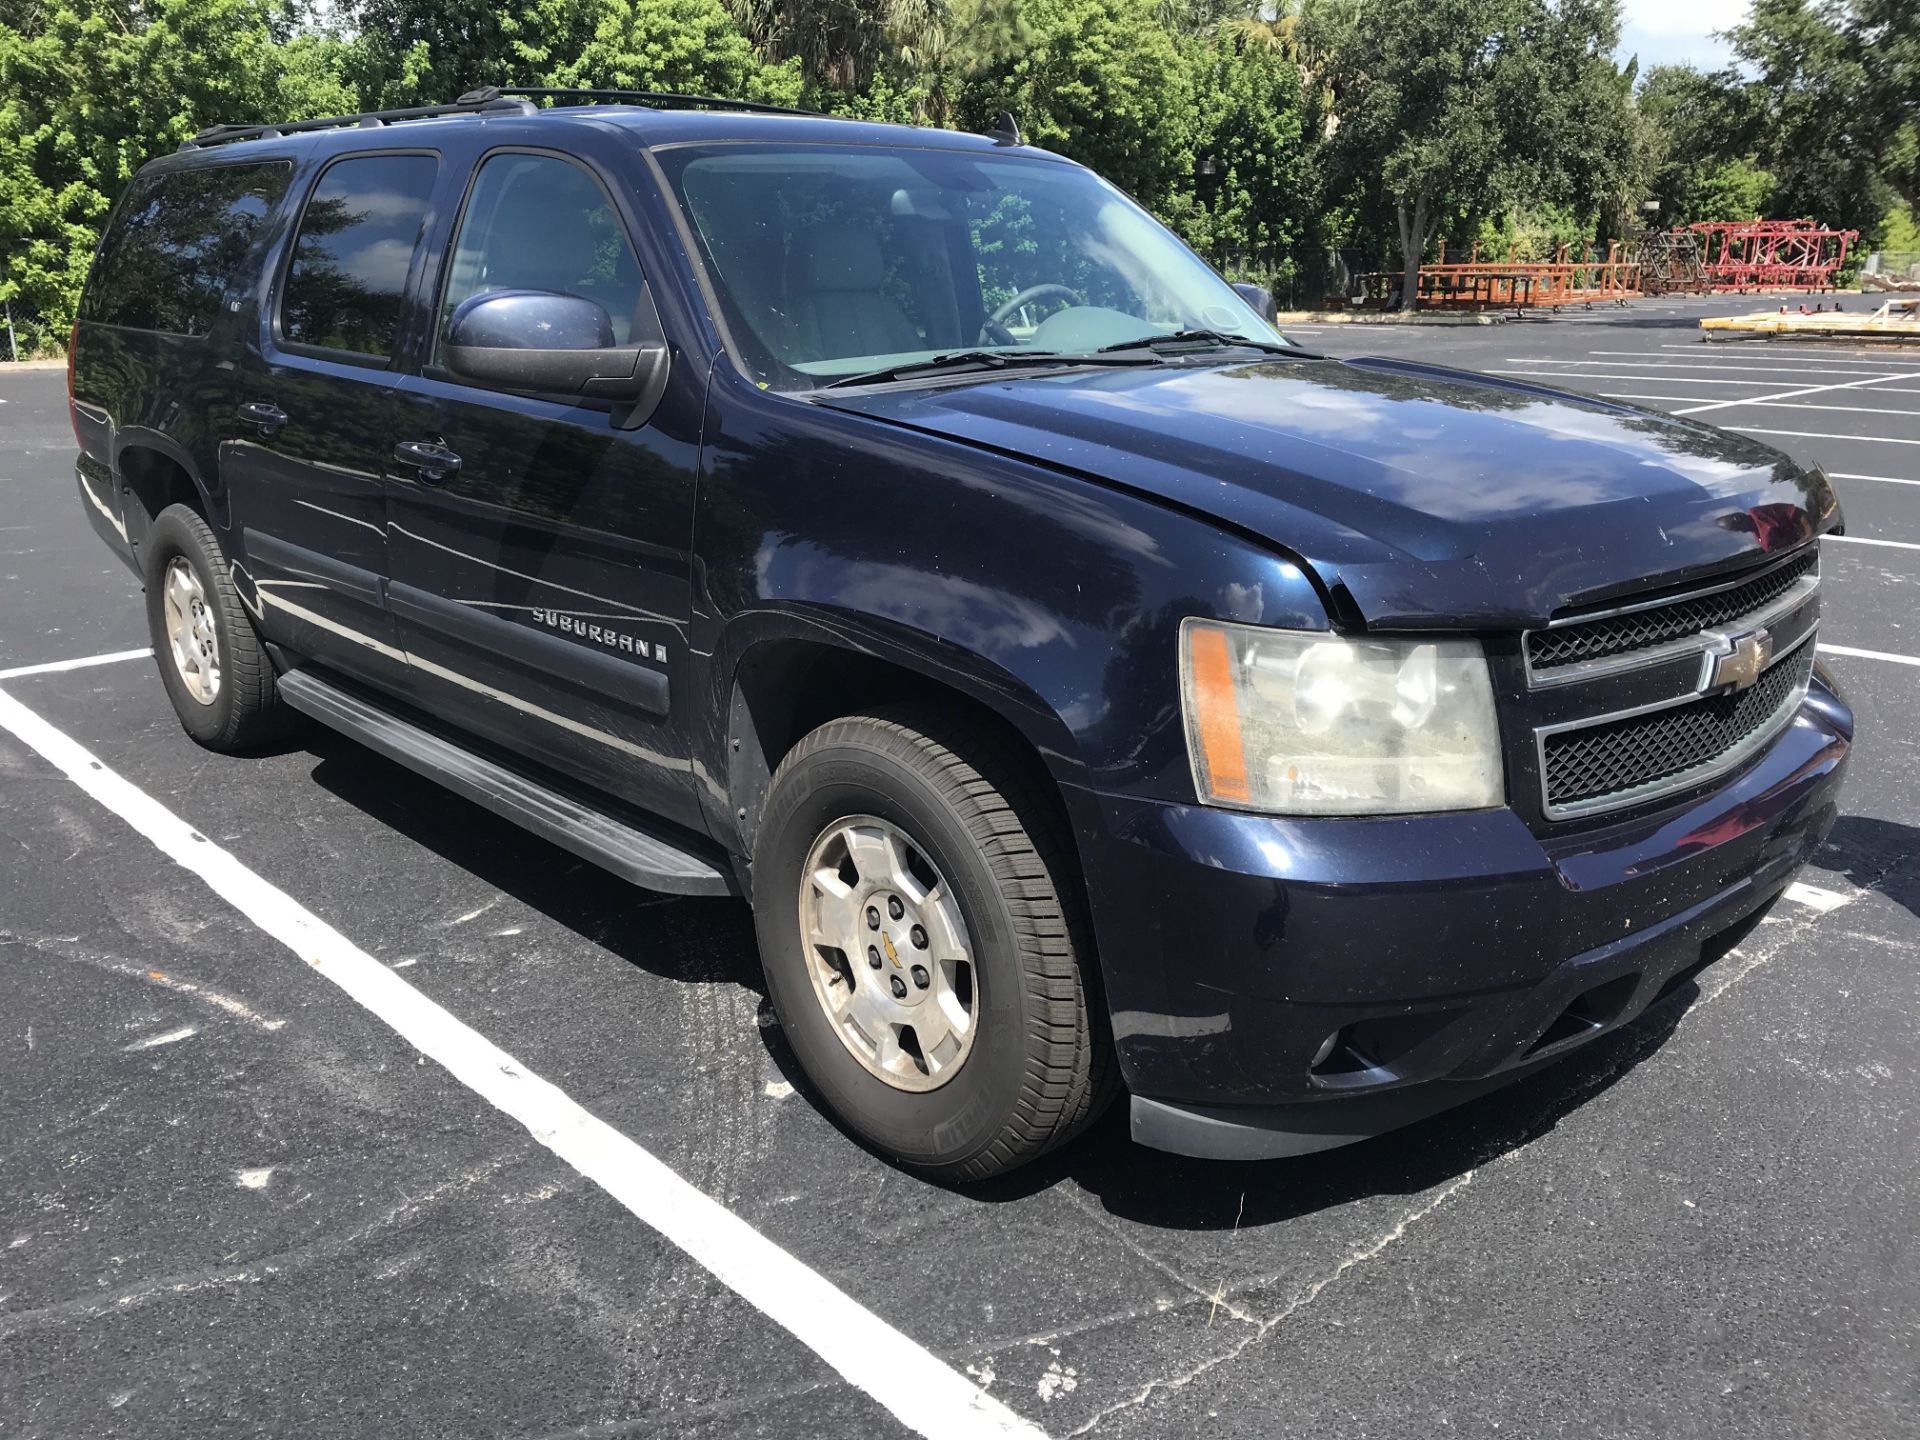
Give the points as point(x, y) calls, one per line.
point(539, 546)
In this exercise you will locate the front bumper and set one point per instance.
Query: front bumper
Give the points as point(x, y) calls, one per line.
point(1281, 986)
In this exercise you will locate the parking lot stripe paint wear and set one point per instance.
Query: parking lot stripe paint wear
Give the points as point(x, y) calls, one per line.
point(54, 666)
point(920, 1390)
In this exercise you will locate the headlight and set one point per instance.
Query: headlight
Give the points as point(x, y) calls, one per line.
point(1307, 723)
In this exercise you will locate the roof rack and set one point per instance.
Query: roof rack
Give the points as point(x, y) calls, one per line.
point(652, 99)
point(478, 102)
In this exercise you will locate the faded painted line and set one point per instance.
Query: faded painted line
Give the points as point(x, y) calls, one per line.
point(1883, 479)
point(67, 948)
point(1768, 404)
point(1801, 392)
point(171, 1037)
point(1567, 376)
point(1822, 355)
point(1850, 652)
point(920, 1390)
point(1652, 361)
point(1815, 898)
point(54, 666)
point(1867, 540)
point(1821, 435)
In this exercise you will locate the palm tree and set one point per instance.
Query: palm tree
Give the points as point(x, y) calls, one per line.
point(1272, 26)
point(841, 43)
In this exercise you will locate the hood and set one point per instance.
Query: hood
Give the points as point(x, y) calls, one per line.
point(1420, 497)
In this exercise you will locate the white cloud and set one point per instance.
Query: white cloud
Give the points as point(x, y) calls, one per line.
point(1662, 32)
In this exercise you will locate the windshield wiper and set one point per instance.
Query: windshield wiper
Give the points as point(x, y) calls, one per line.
point(1186, 339)
point(961, 361)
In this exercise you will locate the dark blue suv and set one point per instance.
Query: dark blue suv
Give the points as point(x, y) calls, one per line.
point(1089, 688)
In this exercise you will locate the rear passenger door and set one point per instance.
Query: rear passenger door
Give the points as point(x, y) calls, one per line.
point(541, 578)
point(314, 417)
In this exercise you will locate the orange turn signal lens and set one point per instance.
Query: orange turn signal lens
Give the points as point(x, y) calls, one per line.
point(1214, 710)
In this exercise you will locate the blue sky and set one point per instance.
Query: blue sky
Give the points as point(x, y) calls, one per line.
point(1678, 32)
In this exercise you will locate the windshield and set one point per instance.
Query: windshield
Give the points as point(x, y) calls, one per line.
point(835, 261)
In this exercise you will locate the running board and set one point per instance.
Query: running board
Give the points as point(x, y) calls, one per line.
point(647, 857)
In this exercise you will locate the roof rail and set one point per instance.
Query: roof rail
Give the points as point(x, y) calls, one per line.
point(652, 99)
point(478, 102)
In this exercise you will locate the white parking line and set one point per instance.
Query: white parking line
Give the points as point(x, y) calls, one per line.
point(1849, 651)
point(1816, 898)
point(1797, 393)
point(1821, 356)
point(1822, 435)
point(53, 666)
point(1865, 540)
point(1656, 399)
point(918, 1388)
point(1883, 479)
point(1661, 362)
point(1770, 404)
point(1845, 409)
point(1566, 375)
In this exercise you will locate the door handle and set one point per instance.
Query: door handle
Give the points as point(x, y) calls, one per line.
point(434, 461)
point(263, 415)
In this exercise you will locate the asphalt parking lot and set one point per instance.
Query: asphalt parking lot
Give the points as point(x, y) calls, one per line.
point(239, 1198)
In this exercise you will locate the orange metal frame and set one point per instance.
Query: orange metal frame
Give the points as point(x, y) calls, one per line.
point(1771, 254)
point(1733, 255)
point(1514, 284)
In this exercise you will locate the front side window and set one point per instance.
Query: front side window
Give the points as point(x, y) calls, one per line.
point(348, 277)
point(537, 222)
point(833, 261)
point(179, 243)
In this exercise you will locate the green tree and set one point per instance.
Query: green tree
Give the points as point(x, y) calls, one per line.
point(1100, 81)
point(681, 45)
point(92, 89)
point(1248, 136)
point(1449, 109)
point(429, 52)
point(1734, 190)
point(1699, 124)
point(1814, 85)
point(1888, 34)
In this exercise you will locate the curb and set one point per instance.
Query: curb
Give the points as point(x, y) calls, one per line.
point(1353, 317)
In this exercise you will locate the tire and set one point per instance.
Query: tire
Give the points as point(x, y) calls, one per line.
point(239, 709)
point(1038, 1064)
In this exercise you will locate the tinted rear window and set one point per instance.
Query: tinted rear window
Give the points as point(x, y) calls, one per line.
point(178, 243)
point(349, 270)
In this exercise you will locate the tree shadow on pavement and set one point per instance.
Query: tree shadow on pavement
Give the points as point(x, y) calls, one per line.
point(1881, 855)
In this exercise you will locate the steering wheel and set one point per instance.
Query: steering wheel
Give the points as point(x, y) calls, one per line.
point(995, 329)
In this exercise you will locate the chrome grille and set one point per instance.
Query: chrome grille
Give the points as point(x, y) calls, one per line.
point(1613, 762)
point(1659, 623)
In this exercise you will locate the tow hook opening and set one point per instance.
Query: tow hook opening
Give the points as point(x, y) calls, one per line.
point(1591, 1011)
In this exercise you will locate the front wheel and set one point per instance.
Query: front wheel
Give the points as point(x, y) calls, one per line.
point(923, 946)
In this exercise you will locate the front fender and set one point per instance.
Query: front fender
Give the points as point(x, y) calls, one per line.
point(1050, 598)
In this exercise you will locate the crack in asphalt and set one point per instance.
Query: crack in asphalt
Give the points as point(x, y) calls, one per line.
point(1496, 1153)
point(263, 1267)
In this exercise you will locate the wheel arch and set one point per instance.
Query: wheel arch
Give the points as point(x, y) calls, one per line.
point(785, 676)
point(153, 472)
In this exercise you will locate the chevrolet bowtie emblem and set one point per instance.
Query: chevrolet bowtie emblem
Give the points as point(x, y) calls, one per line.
point(892, 954)
point(1736, 661)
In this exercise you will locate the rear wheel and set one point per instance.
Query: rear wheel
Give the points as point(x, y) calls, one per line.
point(923, 946)
point(216, 672)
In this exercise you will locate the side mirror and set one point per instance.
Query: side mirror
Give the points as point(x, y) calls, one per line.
point(544, 341)
point(1260, 298)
